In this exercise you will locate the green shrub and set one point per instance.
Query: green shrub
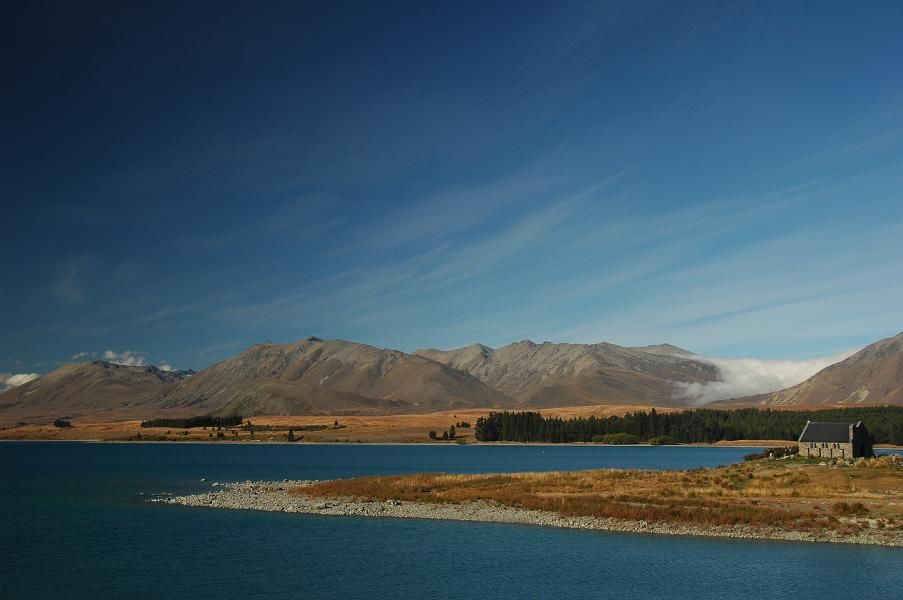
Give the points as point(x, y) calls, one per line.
point(201, 421)
point(855, 508)
point(616, 438)
point(663, 440)
point(773, 452)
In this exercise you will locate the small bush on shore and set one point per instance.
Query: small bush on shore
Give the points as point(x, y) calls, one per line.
point(663, 440)
point(888, 461)
point(844, 508)
point(188, 423)
point(616, 438)
point(773, 452)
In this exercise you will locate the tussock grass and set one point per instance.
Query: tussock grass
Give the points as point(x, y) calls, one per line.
point(886, 462)
point(843, 508)
point(803, 497)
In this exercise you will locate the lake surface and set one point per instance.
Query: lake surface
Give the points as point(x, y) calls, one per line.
point(74, 524)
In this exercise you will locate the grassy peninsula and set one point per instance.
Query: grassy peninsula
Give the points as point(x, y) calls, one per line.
point(786, 499)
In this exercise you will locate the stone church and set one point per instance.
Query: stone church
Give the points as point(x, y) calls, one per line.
point(835, 440)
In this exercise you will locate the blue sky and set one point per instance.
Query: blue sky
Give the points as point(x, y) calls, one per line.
point(182, 182)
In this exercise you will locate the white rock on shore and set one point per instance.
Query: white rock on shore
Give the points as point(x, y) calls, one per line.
point(274, 497)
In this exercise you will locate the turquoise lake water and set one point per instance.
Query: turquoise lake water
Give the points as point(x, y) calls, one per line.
point(74, 524)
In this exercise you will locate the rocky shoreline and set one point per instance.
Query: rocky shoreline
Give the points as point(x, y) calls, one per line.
point(275, 497)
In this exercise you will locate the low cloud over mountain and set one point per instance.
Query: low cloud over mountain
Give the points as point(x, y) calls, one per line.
point(752, 376)
point(9, 380)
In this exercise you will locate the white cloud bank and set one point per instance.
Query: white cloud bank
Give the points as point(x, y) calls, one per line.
point(127, 358)
point(749, 376)
point(10, 380)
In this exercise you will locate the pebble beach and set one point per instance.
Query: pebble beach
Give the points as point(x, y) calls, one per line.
point(276, 497)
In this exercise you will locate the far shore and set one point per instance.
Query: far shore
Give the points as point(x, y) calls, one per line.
point(752, 444)
point(307, 429)
point(727, 444)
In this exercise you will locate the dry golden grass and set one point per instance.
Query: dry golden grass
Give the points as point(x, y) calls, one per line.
point(799, 496)
point(404, 428)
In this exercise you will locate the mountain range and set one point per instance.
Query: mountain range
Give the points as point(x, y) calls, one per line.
point(315, 376)
point(542, 375)
point(329, 377)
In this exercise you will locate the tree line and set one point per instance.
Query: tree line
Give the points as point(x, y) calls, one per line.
point(189, 422)
point(884, 423)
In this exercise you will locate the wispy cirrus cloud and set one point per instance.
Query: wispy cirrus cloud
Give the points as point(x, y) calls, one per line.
point(798, 287)
point(69, 282)
point(295, 218)
point(452, 211)
point(360, 292)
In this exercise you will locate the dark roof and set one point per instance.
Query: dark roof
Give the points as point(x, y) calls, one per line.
point(826, 432)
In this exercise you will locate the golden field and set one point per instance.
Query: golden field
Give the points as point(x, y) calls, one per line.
point(791, 495)
point(404, 428)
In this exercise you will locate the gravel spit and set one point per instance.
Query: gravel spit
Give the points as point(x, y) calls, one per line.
point(274, 497)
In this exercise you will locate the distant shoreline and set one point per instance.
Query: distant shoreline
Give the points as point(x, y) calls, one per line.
point(393, 428)
point(245, 442)
point(434, 444)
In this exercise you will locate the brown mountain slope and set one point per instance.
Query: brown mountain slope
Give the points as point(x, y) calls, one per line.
point(874, 375)
point(547, 374)
point(314, 376)
point(95, 388)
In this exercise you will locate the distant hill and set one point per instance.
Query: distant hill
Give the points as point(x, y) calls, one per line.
point(329, 377)
point(547, 374)
point(95, 387)
point(311, 376)
point(874, 375)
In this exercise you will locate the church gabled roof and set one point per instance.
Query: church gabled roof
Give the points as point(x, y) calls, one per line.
point(827, 432)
